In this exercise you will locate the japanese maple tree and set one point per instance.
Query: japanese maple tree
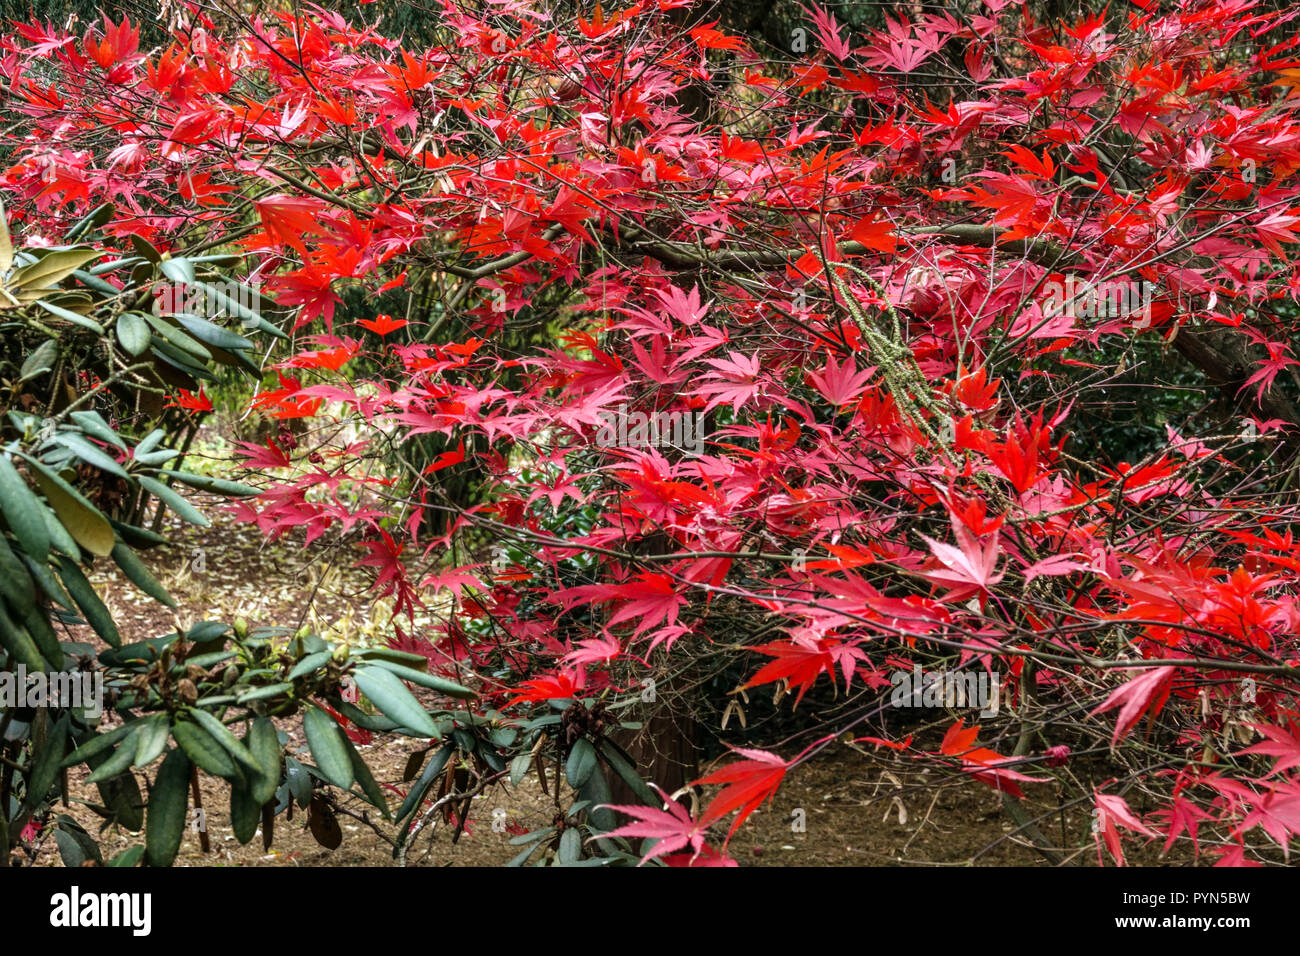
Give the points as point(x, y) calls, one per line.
point(903, 277)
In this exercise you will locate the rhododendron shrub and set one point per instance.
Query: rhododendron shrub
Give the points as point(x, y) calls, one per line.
point(897, 279)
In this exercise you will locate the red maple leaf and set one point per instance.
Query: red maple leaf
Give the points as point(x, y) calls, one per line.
point(965, 569)
point(877, 234)
point(711, 39)
point(828, 32)
point(595, 650)
point(747, 784)
point(119, 44)
point(270, 456)
point(803, 660)
point(840, 384)
point(448, 458)
point(287, 219)
point(981, 763)
point(1276, 228)
point(386, 556)
point(1013, 198)
point(651, 598)
point(1112, 812)
point(1282, 744)
point(191, 402)
point(332, 358)
point(562, 686)
point(382, 324)
point(671, 830)
point(1148, 691)
point(1278, 812)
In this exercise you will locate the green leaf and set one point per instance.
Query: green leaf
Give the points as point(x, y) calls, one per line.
point(328, 747)
point(264, 745)
point(150, 441)
point(202, 748)
point(89, 453)
point(237, 358)
point(142, 652)
point(375, 722)
point(92, 608)
point(15, 583)
point(229, 489)
point(393, 699)
point(45, 767)
point(40, 361)
point(94, 282)
point(183, 362)
point(298, 780)
point(245, 812)
point(209, 659)
point(139, 575)
point(76, 846)
point(415, 796)
point(83, 521)
point(96, 745)
point(128, 857)
point(264, 693)
point(581, 763)
point(96, 217)
point(67, 315)
point(223, 736)
point(60, 540)
point(168, 801)
point(92, 423)
point(35, 621)
point(113, 265)
point(213, 335)
point(239, 309)
point(152, 739)
point(178, 270)
point(122, 802)
point(155, 458)
point(620, 764)
point(405, 658)
point(121, 760)
point(136, 537)
point(528, 851)
point(309, 643)
point(133, 333)
point(42, 575)
point(308, 664)
point(174, 501)
point(145, 249)
point(366, 779)
point(19, 643)
point(570, 850)
point(519, 768)
point(182, 340)
point(206, 631)
point(596, 790)
point(492, 759)
point(439, 684)
point(52, 268)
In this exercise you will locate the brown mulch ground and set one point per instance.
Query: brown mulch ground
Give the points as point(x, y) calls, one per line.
point(877, 810)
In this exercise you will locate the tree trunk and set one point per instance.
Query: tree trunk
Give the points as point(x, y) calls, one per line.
point(665, 751)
